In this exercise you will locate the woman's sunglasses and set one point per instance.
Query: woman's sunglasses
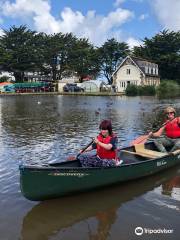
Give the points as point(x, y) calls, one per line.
point(168, 113)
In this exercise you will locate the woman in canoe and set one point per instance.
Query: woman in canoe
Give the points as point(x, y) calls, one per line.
point(106, 148)
point(171, 139)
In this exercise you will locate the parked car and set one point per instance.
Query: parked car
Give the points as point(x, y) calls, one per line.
point(72, 87)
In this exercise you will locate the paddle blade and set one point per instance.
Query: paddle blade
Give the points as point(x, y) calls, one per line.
point(71, 158)
point(140, 140)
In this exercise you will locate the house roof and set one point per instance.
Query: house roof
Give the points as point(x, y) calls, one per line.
point(140, 63)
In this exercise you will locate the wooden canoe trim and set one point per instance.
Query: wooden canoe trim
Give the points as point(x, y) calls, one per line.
point(141, 151)
point(140, 154)
point(176, 152)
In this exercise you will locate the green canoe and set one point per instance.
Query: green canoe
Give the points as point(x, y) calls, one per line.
point(50, 217)
point(41, 182)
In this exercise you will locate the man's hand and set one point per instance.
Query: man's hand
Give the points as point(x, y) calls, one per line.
point(178, 121)
point(150, 134)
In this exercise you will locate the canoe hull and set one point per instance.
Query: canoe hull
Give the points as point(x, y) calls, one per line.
point(45, 182)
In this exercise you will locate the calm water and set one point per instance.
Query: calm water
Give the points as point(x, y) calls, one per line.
point(37, 129)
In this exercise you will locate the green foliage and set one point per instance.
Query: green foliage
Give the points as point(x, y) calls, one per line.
point(110, 55)
point(168, 89)
point(163, 49)
point(19, 51)
point(61, 55)
point(146, 90)
point(133, 90)
point(4, 79)
point(84, 59)
point(56, 53)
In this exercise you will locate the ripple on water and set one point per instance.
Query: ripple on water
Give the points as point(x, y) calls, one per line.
point(59, 126)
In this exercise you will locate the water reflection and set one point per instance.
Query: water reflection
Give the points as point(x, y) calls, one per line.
point(96, 212)
point(172, 188)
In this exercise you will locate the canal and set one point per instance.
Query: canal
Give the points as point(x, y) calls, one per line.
point(38, 129)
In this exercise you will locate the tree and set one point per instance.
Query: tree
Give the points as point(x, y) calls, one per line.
point(56, 53)
point(84, 59)
point(164, 49)
point(111, 54)
point(19, 51)
point(66, 55)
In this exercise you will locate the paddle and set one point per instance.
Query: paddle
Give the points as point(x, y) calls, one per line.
point(71, 158)
point(144, 138)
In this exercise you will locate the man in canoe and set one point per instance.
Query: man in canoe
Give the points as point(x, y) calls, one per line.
point(106, 148)
point(171, 139)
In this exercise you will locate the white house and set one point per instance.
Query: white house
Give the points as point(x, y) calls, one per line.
point(137, 71)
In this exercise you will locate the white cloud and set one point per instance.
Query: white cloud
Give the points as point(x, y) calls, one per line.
point(143, 16)
point(93, 26)
point(167, 12)
point(1, 32)
point(132, 42)
point(118, 3)
point(25, 8)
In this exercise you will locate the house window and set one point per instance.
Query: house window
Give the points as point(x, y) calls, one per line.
point(128, 71)
point(146, 69)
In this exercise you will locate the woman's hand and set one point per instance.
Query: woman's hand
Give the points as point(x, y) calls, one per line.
point(96, 140)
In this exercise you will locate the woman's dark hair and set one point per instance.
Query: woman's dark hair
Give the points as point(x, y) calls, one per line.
point(106, 125)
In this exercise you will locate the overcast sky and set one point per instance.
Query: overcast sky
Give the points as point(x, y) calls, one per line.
point(98, 20)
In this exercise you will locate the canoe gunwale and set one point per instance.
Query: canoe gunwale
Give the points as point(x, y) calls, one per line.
point(49, 167)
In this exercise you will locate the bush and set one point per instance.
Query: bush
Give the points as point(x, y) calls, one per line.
point(4, 79)
point(131, 90)
point(146, 90)
point(168, 89)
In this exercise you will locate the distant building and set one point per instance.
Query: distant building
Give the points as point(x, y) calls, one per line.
point(9, 75)
point(36, 77)
point(95, 86)
point(137, 71)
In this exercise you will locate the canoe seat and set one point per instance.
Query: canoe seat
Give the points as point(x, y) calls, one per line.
point(176, 152)
point(140, 150)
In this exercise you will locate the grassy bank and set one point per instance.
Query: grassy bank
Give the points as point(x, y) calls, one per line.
point(65, 93)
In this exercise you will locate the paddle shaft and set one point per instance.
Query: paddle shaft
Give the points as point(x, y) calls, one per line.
point(143, 139)
point(164, 124)
point(84, 149)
